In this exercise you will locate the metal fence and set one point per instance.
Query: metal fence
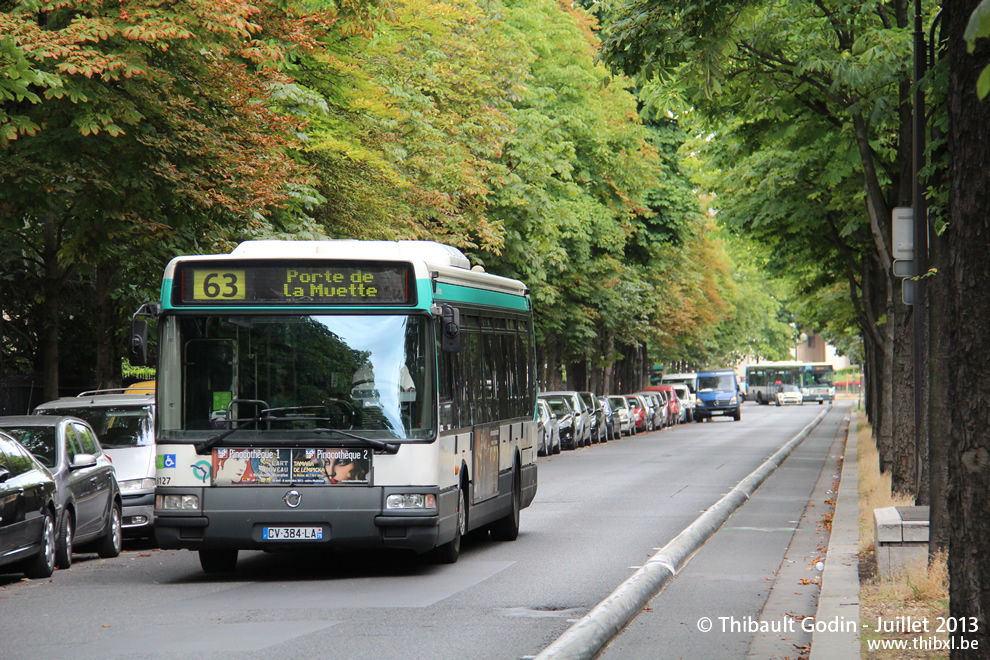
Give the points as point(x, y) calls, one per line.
point(19, 393)
point(22, 393)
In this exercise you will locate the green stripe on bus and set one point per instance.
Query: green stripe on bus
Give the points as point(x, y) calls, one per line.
point(457, 293)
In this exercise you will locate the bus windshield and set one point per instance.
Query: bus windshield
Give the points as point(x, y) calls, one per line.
point(370, 375)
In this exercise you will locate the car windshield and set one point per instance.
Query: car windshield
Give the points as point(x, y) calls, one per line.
point(558, 406)
point(281, 377)
point(688, 384)
point(716, 382)
point(790, 388)
point(617, 402)
point(116, 426)
point(39, 440)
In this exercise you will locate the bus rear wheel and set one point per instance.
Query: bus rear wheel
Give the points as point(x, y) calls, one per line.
point(507, 528)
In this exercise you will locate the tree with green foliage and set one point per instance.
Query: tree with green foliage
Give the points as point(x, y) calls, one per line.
point(144, 127)
point(578, 166)
point(811, 108)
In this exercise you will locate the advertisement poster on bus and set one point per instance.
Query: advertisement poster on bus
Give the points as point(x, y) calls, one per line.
point(242, 466)
point(331, 466)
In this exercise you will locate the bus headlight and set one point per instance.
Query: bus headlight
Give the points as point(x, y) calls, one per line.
point(177, 502)
point(411, 501)
point(732, 401)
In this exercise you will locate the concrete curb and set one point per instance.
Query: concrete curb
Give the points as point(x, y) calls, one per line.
point(588, 636)
point(838, 602)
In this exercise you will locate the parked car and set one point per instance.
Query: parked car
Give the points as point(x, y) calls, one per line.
point(549, 442)
point(27, 512)
point(124, 421)
point(789, 394)
point(639, 410)
point(685, 402)
point(621, 407)
point(597, 415)
point(562, 410)
point(673, 403)
point(657, 405)
point(583, 420)
point(612, 421)
point(87, 496)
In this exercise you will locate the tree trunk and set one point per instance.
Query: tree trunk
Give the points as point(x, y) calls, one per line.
point(939, 402)
point(965, 324)
point(107, 332)
point(50, 292)
point(577, 376)
point(608, 381)
point(902, 448)
point(627, 370)
point(548, 361)
point(885, 399)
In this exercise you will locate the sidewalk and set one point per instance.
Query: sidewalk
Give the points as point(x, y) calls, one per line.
point(838, 602)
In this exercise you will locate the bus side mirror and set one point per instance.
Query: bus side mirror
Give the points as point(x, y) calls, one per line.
point(450, 329)
point(139, 343)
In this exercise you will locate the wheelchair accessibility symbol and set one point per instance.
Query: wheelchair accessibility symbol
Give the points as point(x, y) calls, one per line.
point(163, 461)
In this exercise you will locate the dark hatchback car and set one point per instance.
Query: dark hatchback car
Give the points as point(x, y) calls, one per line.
point(27, 512)
point(89, 504)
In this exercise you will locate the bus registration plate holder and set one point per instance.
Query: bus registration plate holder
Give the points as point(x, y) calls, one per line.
point(292, 533)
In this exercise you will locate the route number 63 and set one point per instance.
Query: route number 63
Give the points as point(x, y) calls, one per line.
point(225, 285)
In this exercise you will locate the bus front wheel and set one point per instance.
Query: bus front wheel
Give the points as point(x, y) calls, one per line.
point(451, 550)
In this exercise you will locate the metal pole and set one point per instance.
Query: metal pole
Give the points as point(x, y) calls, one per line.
point(920, 239)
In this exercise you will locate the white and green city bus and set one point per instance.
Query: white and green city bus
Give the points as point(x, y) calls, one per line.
point(815, 380)
point(340, 394)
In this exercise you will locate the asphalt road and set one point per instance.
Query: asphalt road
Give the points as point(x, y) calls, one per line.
point(599, 514)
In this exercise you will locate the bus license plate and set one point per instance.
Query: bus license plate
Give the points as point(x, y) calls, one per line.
point(291, 533)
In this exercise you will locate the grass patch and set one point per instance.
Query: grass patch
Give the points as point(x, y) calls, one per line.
point(919, 591)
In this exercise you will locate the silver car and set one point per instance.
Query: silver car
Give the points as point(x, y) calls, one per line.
point(687, 402)
point(88, 499)
point(657, 409)
point(583, 420)
point(620, 408)
point(564, 417)
point(549, 431)
point(124, 423)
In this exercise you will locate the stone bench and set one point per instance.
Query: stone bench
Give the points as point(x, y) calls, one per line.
point(900, 535)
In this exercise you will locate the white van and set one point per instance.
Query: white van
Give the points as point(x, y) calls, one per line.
point(690, 381)
point(124, 420)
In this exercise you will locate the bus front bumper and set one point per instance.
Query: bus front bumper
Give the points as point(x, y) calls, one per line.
point(346, 517)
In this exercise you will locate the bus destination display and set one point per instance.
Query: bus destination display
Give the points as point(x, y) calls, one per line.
point(320, 283)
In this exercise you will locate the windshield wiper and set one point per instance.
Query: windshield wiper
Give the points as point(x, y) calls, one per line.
point(208, 444)
point(267, 416)
point(387, 447)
